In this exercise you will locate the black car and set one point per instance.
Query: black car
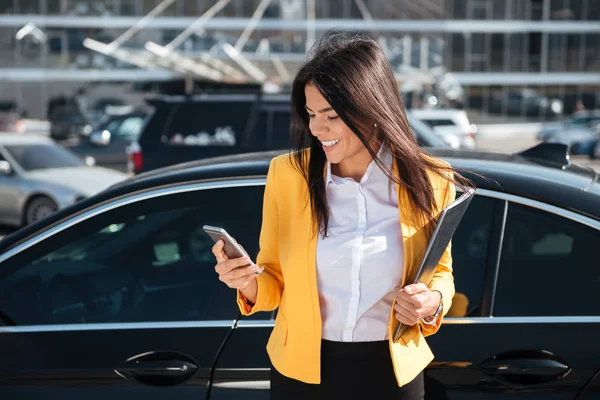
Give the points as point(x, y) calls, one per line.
point(108, 142)
point(116, 297)
point(67, 121)
point(189, 128)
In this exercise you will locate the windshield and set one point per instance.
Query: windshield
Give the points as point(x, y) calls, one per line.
point(43, 156)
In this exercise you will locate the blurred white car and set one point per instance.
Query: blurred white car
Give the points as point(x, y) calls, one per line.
point(450, 122)
point(38, 177)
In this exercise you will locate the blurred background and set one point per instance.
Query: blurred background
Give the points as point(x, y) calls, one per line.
point(86, 77)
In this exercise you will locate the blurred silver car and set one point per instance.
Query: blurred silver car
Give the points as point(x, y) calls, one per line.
point(38, 177)
point(581, 140)
point(581, 120)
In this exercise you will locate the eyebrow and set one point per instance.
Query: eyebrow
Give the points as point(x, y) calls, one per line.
point(322, 110)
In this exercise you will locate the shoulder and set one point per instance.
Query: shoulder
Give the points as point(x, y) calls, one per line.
point(442, 182)
point(440, 179)
point(285, 164)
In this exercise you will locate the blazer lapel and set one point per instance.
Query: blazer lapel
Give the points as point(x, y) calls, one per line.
point(407, 228)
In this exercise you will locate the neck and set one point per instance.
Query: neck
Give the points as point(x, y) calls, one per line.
point(353, 167)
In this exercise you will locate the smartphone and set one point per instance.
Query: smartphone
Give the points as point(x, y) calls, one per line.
point(231, 248)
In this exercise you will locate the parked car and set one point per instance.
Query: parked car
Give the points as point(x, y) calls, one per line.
point(11, 122)
point(109, 140)
point(38, 177)
point(68, 121)
point(581, 140)
point(596, 150)
point(191, 128)
point(105, 107)
point(116, 296)
point(11, 117)
point(526, 102)
point(450, 123)
point(581, 119)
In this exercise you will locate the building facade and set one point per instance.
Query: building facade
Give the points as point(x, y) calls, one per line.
point(496, 50)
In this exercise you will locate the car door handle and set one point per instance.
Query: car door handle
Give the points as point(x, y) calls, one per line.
point(158, 368)
point(528, 367)
point(173, 368)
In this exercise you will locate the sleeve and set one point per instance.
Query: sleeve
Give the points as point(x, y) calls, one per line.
point(443, 280)
point(270, 281)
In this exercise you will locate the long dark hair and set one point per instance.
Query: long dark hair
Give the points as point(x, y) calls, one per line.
point(354, 76)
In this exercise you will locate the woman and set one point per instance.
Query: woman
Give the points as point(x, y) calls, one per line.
point(346, 219)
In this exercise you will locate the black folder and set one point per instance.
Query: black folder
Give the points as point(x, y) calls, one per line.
point(447, 223)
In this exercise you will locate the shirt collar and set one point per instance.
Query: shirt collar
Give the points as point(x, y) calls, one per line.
point(384, 154)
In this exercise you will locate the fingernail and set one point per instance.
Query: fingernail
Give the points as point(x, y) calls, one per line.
point(254, 268)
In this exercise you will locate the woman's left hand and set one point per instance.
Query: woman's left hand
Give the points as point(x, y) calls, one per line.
point(415, 302)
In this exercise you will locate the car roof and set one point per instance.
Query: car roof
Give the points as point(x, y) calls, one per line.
point(572, 187)
point(586, 113)
point(438, 113)
point(11, 139)
point(204, 97)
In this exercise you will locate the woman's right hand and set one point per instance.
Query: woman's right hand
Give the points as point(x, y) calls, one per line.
point(237, 273)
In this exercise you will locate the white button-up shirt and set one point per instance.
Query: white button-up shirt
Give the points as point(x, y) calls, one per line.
point(361, 261)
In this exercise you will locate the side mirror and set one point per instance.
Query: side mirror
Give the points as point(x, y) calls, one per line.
point(100, 139)
point(5, 168)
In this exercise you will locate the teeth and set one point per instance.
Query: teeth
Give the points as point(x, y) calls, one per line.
point(331, 142)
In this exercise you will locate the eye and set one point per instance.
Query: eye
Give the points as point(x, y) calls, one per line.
point(311, 115)
point(332, 118)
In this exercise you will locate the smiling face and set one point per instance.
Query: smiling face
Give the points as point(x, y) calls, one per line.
point(342, 147)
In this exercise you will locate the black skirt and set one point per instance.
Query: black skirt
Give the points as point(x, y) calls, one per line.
point(350, 370)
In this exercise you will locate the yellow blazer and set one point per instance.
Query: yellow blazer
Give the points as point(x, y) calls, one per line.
point(289, 281)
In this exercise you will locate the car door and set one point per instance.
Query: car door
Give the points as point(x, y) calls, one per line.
point(122, 301)
point(536, 336)
point(592, 389)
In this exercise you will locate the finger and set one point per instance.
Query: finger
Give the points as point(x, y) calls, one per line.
point(238, 273)
point(407, 309)
point(405, 303)
point(217, 250)
point(403, 294)
point(229, 265)
point(406, 319)
point(417, 300)
point(240, 283)
point(243, 282)
point(416, 288)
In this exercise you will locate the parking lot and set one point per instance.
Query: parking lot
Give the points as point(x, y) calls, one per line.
point(489, 140)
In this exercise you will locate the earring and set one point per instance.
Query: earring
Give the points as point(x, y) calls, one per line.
point(375, 125)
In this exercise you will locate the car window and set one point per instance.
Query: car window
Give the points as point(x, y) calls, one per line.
point(439, 122)
point(469, 255)
point(208, 124)
point(548, 266)
point(146, 261)
point(113, 125)
point(271, 130)
point(280, 132)
point(43, 156)
point(424, 134)
point(130, 127)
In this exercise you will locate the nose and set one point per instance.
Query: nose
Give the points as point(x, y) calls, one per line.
point(317, 127)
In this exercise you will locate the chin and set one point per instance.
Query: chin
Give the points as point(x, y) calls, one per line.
point(333, 159)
